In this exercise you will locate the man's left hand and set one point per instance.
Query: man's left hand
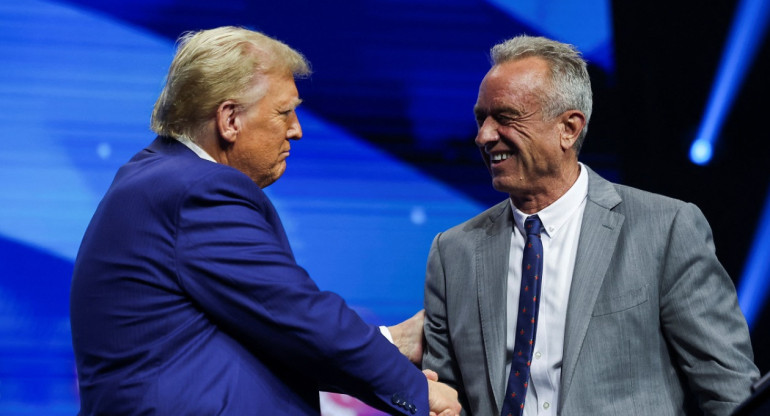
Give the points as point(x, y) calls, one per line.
point(408, 337)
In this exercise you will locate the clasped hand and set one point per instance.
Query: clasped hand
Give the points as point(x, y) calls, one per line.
point(441, 398)
point(408, 337)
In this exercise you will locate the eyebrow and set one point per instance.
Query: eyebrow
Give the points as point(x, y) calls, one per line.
point(495, 110)
point(479, 111)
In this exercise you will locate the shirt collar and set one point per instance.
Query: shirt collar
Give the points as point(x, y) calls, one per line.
point(195, 148)
point(555, 215)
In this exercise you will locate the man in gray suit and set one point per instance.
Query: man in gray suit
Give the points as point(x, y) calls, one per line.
point(636, 316)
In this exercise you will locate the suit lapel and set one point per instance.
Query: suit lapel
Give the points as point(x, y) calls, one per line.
point(491, 266)
point(596, 245)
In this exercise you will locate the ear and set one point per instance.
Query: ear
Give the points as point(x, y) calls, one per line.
point(573, 122)
point(228, 123)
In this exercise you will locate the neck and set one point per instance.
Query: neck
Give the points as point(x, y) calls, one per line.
point(551, 191)
point(209, 142)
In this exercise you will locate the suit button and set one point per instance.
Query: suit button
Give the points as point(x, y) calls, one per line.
point(413, 408)
point(395, 399)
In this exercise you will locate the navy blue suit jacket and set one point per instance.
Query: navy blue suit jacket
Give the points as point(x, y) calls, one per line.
point(186, 299)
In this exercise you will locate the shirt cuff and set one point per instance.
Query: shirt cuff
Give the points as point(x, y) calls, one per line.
point(386, 333)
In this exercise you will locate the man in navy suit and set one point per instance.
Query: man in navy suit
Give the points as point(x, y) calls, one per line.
point(186, 298)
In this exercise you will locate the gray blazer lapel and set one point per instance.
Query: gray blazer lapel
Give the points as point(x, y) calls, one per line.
point(492, 252)
point(596, 245)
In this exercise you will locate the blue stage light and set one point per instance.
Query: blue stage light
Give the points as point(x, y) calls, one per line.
point(701, 152)
point(747, 31)
point(754, 285)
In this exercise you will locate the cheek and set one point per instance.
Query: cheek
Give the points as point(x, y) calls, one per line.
point(520, 136)
point(543, 141)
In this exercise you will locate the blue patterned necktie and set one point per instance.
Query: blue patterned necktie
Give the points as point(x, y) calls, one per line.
point(526, 321)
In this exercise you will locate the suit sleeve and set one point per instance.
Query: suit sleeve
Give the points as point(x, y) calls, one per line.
point(235, 264)
point(701, 318)
point(438, 354)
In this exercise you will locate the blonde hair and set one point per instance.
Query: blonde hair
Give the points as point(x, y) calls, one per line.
point(212, 66)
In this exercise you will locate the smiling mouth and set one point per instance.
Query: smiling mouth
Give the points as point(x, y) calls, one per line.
point(499, 157)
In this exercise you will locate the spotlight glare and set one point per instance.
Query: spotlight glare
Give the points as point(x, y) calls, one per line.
point(701, 152)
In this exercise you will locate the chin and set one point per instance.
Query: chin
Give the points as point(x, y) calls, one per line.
point(269, 180)
point(501, 185)
point(505, 191)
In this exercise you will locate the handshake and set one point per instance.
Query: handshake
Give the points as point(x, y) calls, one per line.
point(407, 336)
point(441, 398)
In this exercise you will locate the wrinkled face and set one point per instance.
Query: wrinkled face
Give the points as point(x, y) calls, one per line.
point(266, 128)
point(519, 144)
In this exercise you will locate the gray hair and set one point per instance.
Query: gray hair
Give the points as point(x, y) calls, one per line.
point(212, 66)
point(571, 85)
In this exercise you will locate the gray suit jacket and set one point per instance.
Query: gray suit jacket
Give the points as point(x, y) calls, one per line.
point(653, 325)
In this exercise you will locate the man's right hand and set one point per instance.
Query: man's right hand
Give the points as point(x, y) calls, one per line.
point(441, 398)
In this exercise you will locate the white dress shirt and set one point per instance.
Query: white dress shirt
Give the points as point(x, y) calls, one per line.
point(195, 148)
point(561, 230)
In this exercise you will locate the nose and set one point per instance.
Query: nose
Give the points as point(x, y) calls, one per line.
point(487, 133)
point(295, 129)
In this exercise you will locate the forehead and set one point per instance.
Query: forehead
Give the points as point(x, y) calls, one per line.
point(274, 88)
point(521, 80)
point(281, 84)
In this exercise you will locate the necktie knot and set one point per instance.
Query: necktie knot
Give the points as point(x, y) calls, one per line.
point(532, 225)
